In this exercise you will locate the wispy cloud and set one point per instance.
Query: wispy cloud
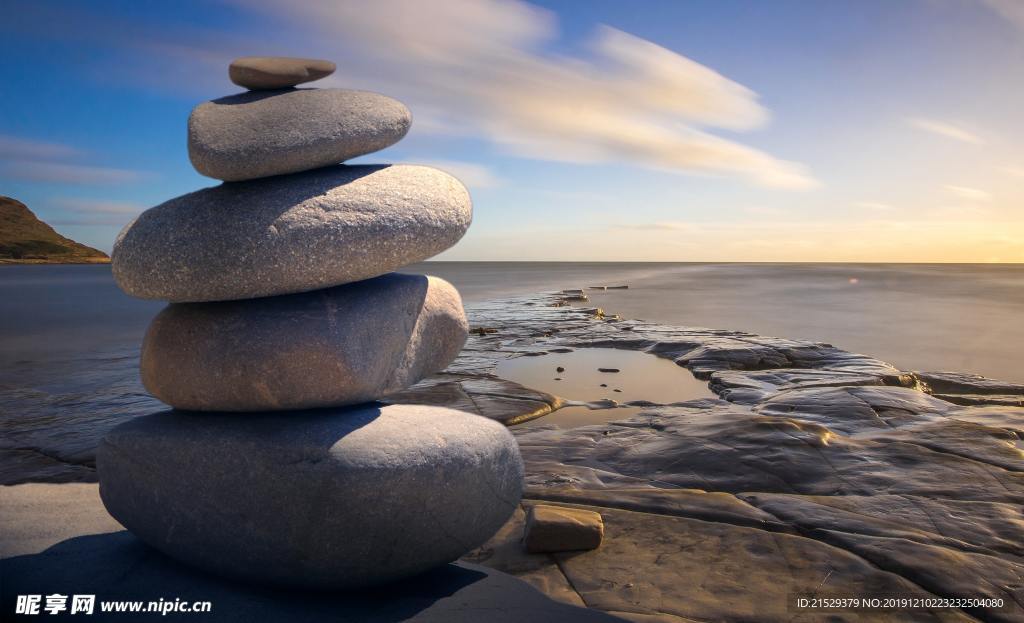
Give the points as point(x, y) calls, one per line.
point(14, 148)
point(1010, 10)
point(968, 193)
point(471, 174)
point(766, 211)
point(482, 69)
point(88, 221)
point(481, 65)
point(92, 212)
point(1015, 171)
point(40, 161)
point(962, 212)
point(946, 129)
point(67, 173)
point(659, 226)
point(98, 206)
point(872, 205)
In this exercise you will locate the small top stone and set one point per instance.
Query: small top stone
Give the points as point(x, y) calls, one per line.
point(277, 72)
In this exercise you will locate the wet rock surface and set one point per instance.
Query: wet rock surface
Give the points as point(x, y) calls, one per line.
point(816, 471)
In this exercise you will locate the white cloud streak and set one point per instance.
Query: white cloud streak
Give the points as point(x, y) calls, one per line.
point(967, 193)
point(62, 173)
point(1010, 10)
point(40, 161)
point(479, 65)
point(14, 148)
point(947, 130)
point(877, 206)
point(100, 206)
point(659, 226)
point(471, 174)
point(766, 211)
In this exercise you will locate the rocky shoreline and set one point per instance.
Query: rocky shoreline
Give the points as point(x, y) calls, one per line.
point(815, 471)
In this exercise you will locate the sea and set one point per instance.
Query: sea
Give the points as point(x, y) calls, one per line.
point(69, 337)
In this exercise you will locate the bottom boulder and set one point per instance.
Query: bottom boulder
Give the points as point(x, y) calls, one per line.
point(338, 498)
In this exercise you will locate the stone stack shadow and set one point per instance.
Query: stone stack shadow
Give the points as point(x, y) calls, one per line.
point(286, 321)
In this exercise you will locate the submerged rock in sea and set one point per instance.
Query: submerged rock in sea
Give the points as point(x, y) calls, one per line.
point(332, 347)
point(263, 133)
point(325, 499)
point(291, 233)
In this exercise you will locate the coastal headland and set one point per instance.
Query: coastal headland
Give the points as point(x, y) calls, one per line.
point(24, 239)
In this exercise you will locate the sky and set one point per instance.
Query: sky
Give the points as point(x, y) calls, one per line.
point(677, 130)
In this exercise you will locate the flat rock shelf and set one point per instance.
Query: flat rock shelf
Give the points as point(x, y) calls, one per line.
point(812, 470)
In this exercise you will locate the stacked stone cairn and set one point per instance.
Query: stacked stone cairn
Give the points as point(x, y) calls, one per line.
point(286, 321)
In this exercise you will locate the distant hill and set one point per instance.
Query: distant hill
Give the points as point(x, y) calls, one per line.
point(24, 239)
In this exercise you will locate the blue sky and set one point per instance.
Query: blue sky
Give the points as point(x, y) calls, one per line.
point(680, 130)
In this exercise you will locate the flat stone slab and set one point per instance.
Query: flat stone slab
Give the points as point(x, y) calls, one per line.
point(931, 499)
point(971, 389)
point(322, 499)
point(339, 346)
point(277, 72)
point(67, 544)
point(263, 133)
point(290, 234)
point(654, 567)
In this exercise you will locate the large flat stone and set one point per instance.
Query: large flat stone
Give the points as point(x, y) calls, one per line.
point(277, 72)
point(322, 499)
point(290, 234)
point(333, 347)
point(264, 133)
point(652, 567)
point(727, 449)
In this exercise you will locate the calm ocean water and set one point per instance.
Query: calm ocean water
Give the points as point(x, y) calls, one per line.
point(69, 338)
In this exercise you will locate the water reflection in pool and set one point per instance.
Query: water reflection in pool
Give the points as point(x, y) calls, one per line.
point(578, 376)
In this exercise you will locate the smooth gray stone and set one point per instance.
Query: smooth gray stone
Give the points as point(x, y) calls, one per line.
point(290, 234)
point(332, 347)
point(338, 498)
point(263, 133)
point(277, 72)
